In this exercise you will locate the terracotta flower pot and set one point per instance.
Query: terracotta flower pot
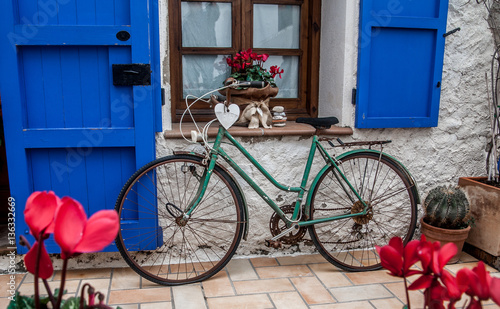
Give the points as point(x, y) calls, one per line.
point(484, 202)
point(244, 96)
point(445, 236)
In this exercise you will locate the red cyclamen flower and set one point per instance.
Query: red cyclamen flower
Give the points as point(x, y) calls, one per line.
point(45, 268)
point(40, 211)
point(275, 70)
point(39, 214)
point(478, 283)
point(75, 234)
point(397, 258)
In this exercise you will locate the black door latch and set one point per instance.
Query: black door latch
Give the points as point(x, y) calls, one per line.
point(135, 74)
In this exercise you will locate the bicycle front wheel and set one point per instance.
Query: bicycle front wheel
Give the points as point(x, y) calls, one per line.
point(155, 238)
point(387, 190)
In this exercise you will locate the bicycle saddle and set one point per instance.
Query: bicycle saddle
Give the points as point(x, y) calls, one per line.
point(319, 123)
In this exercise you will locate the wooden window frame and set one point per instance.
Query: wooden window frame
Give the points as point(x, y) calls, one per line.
point(306, 105)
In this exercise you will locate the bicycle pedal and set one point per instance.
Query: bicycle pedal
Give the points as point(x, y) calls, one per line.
point(276, 244)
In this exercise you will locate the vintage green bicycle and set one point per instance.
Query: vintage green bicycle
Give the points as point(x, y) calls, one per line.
point(183, 216)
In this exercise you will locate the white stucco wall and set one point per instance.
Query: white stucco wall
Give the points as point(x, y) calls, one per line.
point(434, 156)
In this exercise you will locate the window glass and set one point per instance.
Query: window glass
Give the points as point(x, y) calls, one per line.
point(289, 81)
point(206, 24)
point(202, 73)
point(276, 26)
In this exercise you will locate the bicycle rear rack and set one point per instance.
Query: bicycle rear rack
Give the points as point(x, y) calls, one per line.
point(353, 144)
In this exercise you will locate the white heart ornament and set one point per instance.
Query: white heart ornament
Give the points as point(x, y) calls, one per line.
point(227, 116)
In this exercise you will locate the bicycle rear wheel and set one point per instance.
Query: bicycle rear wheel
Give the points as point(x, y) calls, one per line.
point(154, 239)
point(349, 243)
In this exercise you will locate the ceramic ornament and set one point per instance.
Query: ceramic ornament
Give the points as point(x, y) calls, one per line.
point(227, 116)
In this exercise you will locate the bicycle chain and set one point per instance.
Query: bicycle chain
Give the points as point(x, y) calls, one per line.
point(334, 209)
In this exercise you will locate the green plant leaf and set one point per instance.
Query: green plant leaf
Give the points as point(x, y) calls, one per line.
point(21, 302)
point(56, 292)
point(71, 303)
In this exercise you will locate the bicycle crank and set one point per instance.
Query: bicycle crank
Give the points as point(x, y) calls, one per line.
point(277, 227)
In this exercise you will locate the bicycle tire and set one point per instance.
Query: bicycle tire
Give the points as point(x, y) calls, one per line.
point(153, 239)
point(349, 243)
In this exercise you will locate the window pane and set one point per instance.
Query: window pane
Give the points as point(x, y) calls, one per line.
point(276, 26)
point(206, 24)
point(289, 81)
point(201, 74)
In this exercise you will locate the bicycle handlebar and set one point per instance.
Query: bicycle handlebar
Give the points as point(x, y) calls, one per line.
point(242, 83)
point(252, 84)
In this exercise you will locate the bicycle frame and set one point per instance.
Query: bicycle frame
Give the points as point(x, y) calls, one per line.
point(315, 145)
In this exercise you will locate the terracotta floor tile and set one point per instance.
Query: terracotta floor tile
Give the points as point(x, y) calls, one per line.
point(263, 286)
point(367, 257)
point(387, 303)
point(360, 292)
point(283, 271)
point(300, 259)
point(349, 305)
point(30, 278)
point(125, 278)
point(139, 295)
point(188, 297)
point(241, 269)
point(311, 289)
point(146, 284)
point(70, 285)
point(99, 285)
point(367, 277)
point(257, 301)
point(330, 275)
point(164, 305)
point(263, 262)
point(134, 306)
point(288, 300)
point(85, 274)
point(218, 285)
point(4, 302)
point(6, 282)
point(416, 297)
point(466, 258)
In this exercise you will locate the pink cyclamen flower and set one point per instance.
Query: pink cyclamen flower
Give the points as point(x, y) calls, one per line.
point(45, 268)
point(40, 211)
point(75, 234)
point(398, 258)
point(478, 283)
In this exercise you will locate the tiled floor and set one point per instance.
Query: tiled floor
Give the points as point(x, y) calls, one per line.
point(287, 282)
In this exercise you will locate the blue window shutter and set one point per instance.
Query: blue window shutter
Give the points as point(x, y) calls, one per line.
point(401, 48)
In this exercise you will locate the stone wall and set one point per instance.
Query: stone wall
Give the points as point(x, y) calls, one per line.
point(434, 156)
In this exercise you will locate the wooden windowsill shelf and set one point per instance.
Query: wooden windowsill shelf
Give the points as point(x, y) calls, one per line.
point(291, 128)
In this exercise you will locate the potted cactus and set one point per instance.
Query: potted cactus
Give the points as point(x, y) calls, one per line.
point(447, 217)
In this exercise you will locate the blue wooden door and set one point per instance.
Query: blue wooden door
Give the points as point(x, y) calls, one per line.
point(68, 128)
point(401, 48)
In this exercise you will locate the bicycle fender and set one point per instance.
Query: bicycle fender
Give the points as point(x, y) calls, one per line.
point(245, 207)
point(413, 183)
